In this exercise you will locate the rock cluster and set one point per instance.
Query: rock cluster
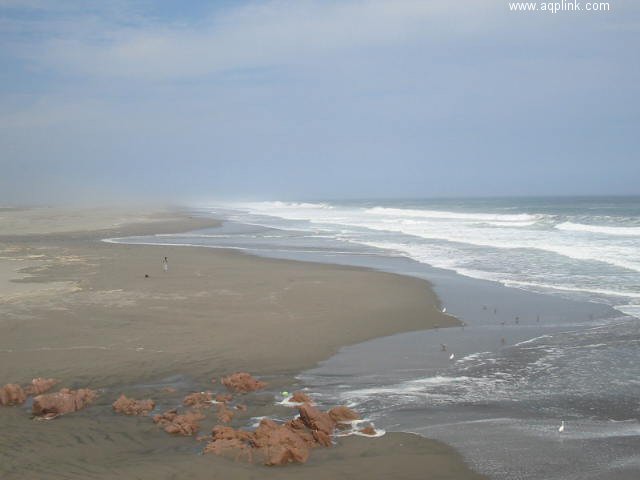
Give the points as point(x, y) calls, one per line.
point(242, 382)
point(51, 405)
point(279, 444)
point(130, 406)
point(272, 443)
point(13, 394)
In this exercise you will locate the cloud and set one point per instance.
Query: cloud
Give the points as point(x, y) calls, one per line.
point(308, 93)
point(254, 35)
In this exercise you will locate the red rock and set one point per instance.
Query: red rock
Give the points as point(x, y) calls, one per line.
point(304, 433)
point(130, 406)
point(233, 448)
point(12, 394)
point(242, 382)
point(275, 444)
point(185, 424)
point(321, 438)
point(299, 397)
point(343, 414)
point(280, 445)
point(265, 427)
point(51, 405)
point(314, 419)
point(296, 424)
point(40, 385)
point(368, 430)
point(224, 414)
point(224, 397)
point(229, 442)
point(198, 399)
point(221, 432)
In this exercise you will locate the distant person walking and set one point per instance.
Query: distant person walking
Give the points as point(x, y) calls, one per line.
point(165, 264)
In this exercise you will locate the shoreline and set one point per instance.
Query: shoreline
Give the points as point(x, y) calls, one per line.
point(114, 328)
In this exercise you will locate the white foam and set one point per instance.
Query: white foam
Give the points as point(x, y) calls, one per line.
point(633, 310)
point(379, 433)
point(442, 214)
point(286, 402)
point(600, 229)
point(459, 227)
point(600, 291)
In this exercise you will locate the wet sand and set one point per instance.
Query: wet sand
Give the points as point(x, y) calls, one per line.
point(81, 310)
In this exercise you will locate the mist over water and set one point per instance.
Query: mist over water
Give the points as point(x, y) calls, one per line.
point(558, 347)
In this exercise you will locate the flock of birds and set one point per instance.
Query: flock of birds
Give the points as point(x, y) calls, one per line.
point(443, 347)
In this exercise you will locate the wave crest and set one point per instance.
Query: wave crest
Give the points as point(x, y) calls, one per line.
point(603, 229)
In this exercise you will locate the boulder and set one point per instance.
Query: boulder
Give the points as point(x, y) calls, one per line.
point(242, 382)
point(228, 442)
point(280, 445)
point(50, 405)
point(180, 424)
point(343, 414)
point(130, 406)
point(368, 430)
point(314, 419)
point(299, 397)
point(40, 385)
point(12, 394)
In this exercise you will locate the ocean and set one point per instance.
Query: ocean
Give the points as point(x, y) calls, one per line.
point(548, 288)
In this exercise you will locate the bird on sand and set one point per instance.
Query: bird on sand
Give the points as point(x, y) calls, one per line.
point(444, 310)
point(561, 428)
point(451, 356)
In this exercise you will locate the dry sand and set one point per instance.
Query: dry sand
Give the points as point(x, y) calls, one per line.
point(81, 310)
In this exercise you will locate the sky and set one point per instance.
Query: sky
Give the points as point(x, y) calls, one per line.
point(189, 100)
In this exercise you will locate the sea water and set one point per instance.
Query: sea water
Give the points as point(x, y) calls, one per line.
point(549, 290)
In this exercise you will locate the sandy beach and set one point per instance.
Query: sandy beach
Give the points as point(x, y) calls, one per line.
point(106, 316)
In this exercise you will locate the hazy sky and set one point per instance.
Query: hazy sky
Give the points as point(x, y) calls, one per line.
point(176, 99)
